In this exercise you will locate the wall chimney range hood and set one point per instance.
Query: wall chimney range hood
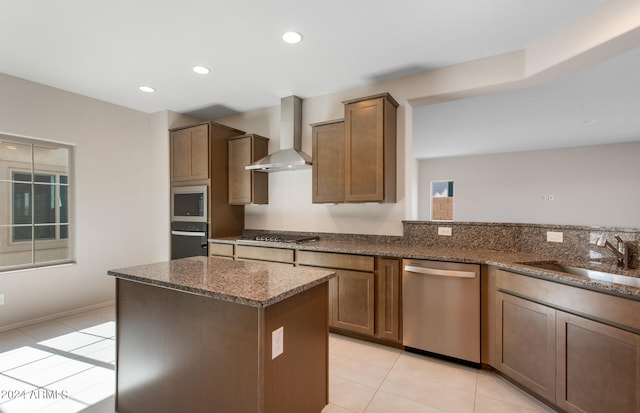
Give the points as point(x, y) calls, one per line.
point(290, 155)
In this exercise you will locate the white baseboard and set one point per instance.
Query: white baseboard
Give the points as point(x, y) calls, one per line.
point(57, 315)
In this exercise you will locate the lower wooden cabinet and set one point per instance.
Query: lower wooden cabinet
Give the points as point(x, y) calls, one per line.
point(351, 302)
point(388, 296)
point(585, 363)
point(255, 253)
point(526, 344)
point(598, 367)
point(220, 250)
point(366, 294)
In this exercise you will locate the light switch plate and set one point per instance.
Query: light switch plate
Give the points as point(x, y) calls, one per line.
point(277, 342)
point(444, 231)
point(553, 236)
point(1, 299)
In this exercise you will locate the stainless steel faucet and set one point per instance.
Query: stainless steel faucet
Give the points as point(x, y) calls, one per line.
point(621, 251)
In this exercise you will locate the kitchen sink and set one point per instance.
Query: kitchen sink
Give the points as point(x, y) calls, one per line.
point(585, 272)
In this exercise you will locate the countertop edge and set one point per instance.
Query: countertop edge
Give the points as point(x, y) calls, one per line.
point(456, 255)
point(222, 296)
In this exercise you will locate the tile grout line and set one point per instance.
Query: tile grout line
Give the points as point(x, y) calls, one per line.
point(382, 382)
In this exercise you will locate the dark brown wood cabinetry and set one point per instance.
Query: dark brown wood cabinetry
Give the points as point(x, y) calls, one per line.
point(598, 367)
point(247, 187)
point(199, 157)
point(388, 297)
point(179, 351)
point(281, 255)
point(328, 161)
point(526, 344)
point(365, 296)
point(351, 292)
point(351, 300)
point(370, 149)
point(355, 160)
point(576, 348)
point(189, 153)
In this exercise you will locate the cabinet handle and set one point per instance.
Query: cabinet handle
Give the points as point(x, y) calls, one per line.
point(440, 273)
point(189, 234)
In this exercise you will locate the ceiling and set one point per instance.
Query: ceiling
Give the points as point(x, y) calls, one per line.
point(107, 49)
point(597, 105)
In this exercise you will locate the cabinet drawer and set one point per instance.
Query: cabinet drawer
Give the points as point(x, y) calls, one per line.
point(333, 260)
point(265, 253)
point(220, 249)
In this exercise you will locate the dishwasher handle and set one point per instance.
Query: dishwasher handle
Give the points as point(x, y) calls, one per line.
point(440, 273)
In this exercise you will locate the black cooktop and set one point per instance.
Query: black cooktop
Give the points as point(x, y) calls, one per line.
point(291, 239)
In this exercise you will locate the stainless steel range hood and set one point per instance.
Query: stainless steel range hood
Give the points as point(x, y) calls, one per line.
point(290, 155)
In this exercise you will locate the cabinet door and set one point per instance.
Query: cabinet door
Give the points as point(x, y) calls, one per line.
point(239, 178)
point(247, 187)
point(388, 299)
point(352, 304)
point(190, 153)
point(370, 149)
point(525, 347)
point(364, 146)
point(598, 367)
point(328, 162)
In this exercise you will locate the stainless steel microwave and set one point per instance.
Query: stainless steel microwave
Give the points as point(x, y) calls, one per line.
point(189, 203)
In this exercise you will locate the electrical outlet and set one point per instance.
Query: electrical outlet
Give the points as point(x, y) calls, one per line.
point(277, 342)
point(553, 236)
point(444, 231)
point(1, 299)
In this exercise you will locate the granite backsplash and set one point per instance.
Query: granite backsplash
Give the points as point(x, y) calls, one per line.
point(578, 241)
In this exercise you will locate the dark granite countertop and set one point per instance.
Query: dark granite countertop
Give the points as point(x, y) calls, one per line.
point(256, 284)
point(510, 261)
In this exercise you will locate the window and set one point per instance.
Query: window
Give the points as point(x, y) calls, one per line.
point(442, 200)
point(35, 199)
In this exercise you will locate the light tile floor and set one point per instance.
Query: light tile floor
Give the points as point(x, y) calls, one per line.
point(369, 378)
point(67, 365)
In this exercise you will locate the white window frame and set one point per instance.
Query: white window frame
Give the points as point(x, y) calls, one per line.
point(7, 244)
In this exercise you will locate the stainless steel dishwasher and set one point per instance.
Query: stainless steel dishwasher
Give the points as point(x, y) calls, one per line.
point(441, 308)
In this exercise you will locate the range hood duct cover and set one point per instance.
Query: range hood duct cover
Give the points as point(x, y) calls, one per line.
point(290, 155)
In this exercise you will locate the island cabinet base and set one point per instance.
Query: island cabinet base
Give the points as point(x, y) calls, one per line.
point(181, 352)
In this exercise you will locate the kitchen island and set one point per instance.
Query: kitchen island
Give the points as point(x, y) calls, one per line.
point(212, 335)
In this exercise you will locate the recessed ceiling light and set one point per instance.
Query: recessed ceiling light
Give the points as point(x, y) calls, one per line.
point(147, 89)
point(201, 70)
point(292, 37)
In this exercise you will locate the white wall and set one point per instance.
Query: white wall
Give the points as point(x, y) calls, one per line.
point(290, 206)
point(591, 185)
point(117, 176)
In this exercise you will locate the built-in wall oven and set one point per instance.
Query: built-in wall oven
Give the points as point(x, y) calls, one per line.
point(188, 239)
point(189, 223)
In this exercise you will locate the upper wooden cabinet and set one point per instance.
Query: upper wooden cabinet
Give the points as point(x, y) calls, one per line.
point(199, 157)
point(195, 150)
point(370, 149)
point(247, 187)
point(328, 161)
point(190, 153)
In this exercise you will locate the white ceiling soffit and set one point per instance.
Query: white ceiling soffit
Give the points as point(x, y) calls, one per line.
point(107, 49)
point(597, 105)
